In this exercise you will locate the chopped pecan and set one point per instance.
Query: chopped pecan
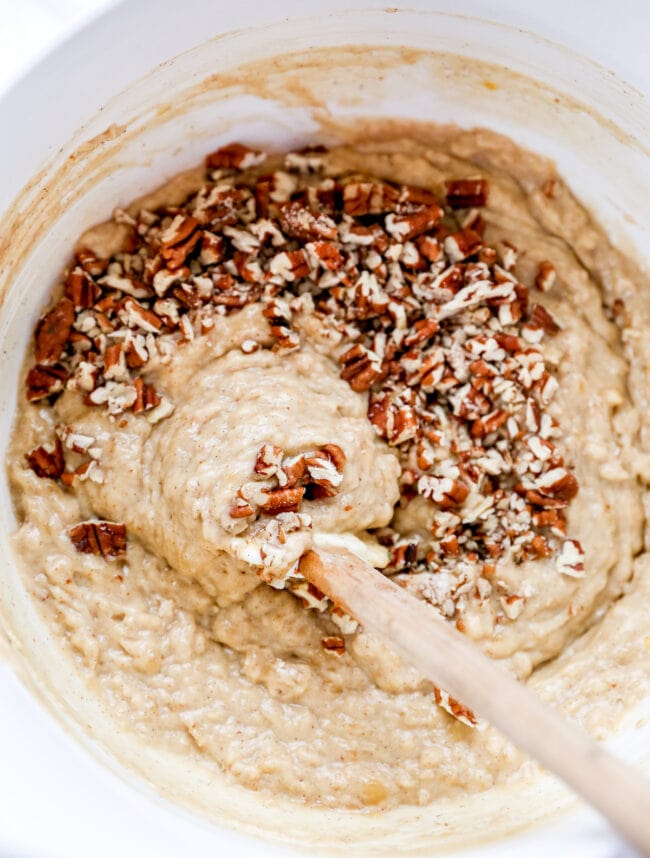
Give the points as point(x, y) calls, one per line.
point(134, 315)
point(282, 500)
point(544, 501)
point(292, 472)
point(53, 332)
point(180, 229)
point(241, 509)
point(545, 278)
point(103, 538)
point(43, 381)
point(363, 198)
point(413, 196)
point(405, 227)
point(447, 492)
point(336, 454)
point(323, 472)
point(213, 248)
point(91, 263)
point(540, 547)
point(421, 331)
point(334, 644)
point(455, 708)
point(558, 484)
point(541, 317)
point(290, 265)
point(328, 254)
point(269, 459)
point(466, 193)
point(429, 247)
point(486, 425)
point(47, 464)
point(179, 242)
point(299, 222)
point(463, 244)
point(234, 156)
point(571, 559)
point(358, 369)
point(81, 289)
point(146, 397)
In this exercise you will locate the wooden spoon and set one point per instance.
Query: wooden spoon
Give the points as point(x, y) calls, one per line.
point(458, 666)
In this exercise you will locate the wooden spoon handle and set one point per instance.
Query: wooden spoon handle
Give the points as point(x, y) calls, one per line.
point(458, 666)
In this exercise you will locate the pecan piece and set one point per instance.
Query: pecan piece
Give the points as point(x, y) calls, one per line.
point(540, 547)
point(358, 370)
point(546, 502)
point(81, 289)
point(176, 256)
point(269, 459)
point(455, 708)
point(53, 332)
point(91, 263)
point(363, 198)
point(282, 500)
point(463, 244)
point(334, 644)
point(45, 381)
point(234, 156)
point(558, 484)
point(180, 229)
point(328, 254)
point(545, 278)
point(241, 509)
point(47, 464)
point(404, 227)
point(429, 247)
point(336, 454)
point(292, 472)
point(323, 472)
point(134, 315)
point(541, 318)
point(422, 331)
point(102, 538)
point(417, 196)
point(146, 397)
point(466, 193)
point(213, 248)
point(571, 559)
point(299, 222)
point(446, 492)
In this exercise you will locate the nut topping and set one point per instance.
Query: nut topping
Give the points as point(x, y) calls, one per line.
point(102, 538)
point(288, 480)
point(47, 463)
point(466, 193)
point(53, 331)
point(282, 500)
point(334, 644)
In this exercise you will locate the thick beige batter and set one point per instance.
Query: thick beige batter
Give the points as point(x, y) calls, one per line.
point(191, 652)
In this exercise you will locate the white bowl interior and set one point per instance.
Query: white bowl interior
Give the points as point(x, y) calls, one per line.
point(417, 67)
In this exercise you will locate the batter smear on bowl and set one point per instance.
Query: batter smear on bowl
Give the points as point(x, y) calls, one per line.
point(402, 349)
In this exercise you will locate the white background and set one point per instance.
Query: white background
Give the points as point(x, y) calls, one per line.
point(602, 29)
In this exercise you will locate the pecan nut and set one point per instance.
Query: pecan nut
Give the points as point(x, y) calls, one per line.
point(102, 538)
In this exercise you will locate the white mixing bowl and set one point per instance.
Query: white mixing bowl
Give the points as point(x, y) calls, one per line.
point(141, 93)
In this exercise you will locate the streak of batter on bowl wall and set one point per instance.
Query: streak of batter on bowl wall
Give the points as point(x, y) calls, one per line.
point(426, 352)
